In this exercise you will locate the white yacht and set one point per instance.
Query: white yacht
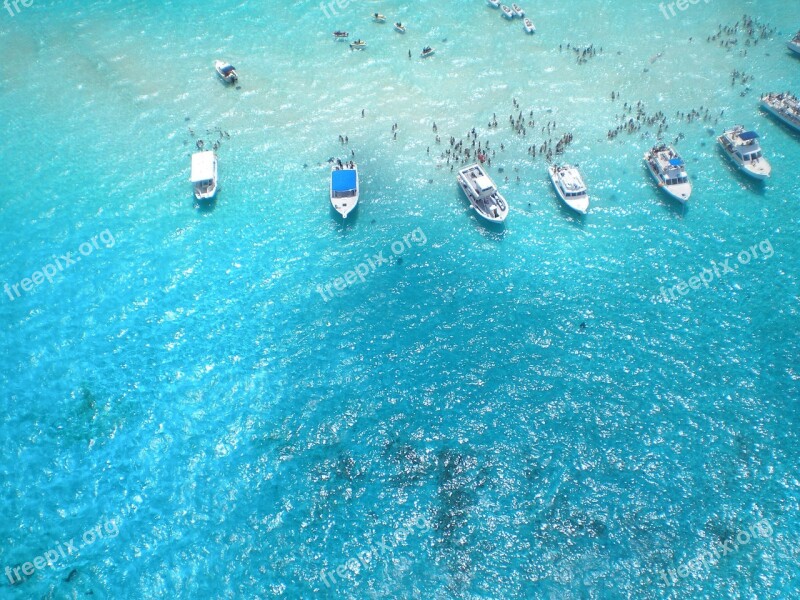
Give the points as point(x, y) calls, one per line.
point(742, 147)
point(518, 12)
point(482, 193)
point(344, 187)
point(794, 43)
point(784, 106)
point(668, 169)
point(204, 174)
point(528, 25)
point(227, 71)
point(570, 187)
point(507, 12)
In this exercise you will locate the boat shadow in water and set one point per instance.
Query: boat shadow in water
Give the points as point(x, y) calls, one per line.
point(573, 216)
point(205, 206)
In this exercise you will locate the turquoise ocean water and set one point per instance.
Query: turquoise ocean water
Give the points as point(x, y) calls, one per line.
point(184, 407)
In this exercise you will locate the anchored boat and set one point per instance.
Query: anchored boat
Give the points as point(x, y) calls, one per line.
point(344, 187)
point(226, 71)
point(204, 174)
point(668, 169)
point(742, 147)
point(570, 187)
point(482, 193)
point(783, 106)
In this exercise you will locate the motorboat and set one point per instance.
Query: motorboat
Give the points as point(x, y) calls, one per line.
point(570, 187)
point(482, 193)
point(517, 10)
point(794, 43)
point(507, 12)
point(340, 35)
point(528, 25)
point(668, 169)
point(204, 174)
point(344, 187)
point(399, 27)
point(742, 147)
point(378, 18)
point(783, 106)
point(226, 71)
point(358, 45)
point(426, 52)
point(493, 3)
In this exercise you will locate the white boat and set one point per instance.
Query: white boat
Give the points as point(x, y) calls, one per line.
point(204, 174)
point(226, 71)
point(340, 35)
point(358, 45)
point(344, 187)
point(742, 147)
point(668, 169)
point(528, 25)
point(426, 52)
point(493, 3)
point(507, 12)
point(399, 27)
point(482, 193)
point(794, 44)
point(378, 18)
point(517, 10)
point(783, 106)
point(570, 187)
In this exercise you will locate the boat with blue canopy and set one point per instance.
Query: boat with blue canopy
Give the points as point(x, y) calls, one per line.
point(742, 147)
point(344, 187)
point(669, 170)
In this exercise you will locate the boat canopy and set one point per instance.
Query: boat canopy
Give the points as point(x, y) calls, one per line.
point(748, 135)
point(343, 180)
point(202, 166)
point(676, 162)
point(227, 69)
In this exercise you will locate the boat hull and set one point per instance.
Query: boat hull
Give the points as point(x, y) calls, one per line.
point(780, 117)
point(760, 172)
point(680, 192)
point(500, 218)
point(344, 205)
point(579, 204)
point(794, 47)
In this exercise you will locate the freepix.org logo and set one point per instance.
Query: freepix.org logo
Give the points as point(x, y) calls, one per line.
point(681, 5)
point(12, 6)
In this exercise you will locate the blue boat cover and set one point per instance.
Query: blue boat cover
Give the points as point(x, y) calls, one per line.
point(227, 70)
point(748, 135)
point(676, 162)
point(343, 180)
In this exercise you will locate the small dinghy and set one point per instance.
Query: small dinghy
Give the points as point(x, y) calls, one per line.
point(507, 12)
point(426, 52)
point(358, 45)
point(399, 27)
point(529, 26)
point(518, 12)
point(340, 35)
point(493, 3)
point(226, 71)
point(378, 18)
